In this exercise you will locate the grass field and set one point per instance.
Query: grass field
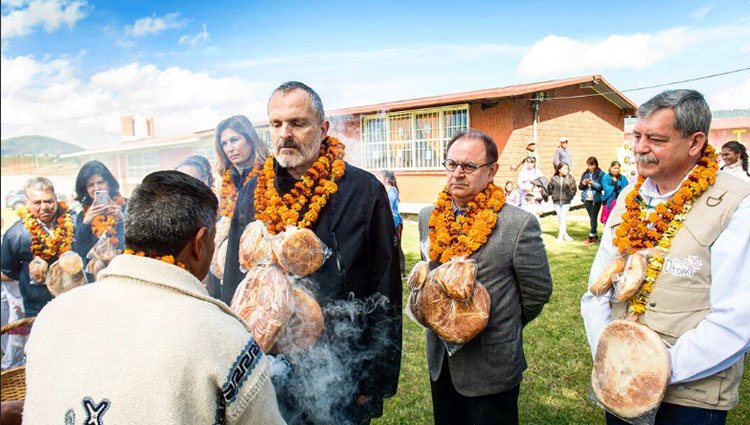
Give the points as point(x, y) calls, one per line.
point(554, 386)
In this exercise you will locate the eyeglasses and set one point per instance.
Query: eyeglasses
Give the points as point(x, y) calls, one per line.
point(468, 166)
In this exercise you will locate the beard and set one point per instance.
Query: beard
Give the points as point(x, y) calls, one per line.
point(296, 153)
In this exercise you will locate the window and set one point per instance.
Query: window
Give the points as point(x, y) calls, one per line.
point(142, 163)
point(265, 134)
point(413, 139)
point(205, 151)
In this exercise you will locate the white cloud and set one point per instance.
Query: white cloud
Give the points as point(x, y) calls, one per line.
point(701, 12)
point(23, 17)
point(737, 97)
point(197, 39)
point(45, 97)
point(154, 25)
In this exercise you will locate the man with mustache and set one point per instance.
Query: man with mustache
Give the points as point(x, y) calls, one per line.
point(480, 382)
point(695, 290)
point(45, 230)
point(307, 184)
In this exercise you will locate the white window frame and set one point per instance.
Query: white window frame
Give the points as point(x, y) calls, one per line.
point(421, 156)
point(140, 164)
point(206, 151)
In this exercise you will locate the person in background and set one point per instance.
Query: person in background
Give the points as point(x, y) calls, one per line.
point(98, 218)
point(528, 174)
point(734, 155)
point(45, 230)
point(14, 340)
point(562, 154)
point(391, 187)
point(197, 166)
point(530, 152)
point(562, 189)
point(591, 195)
point(612, 184)
point(512, 197)
point(189, 358)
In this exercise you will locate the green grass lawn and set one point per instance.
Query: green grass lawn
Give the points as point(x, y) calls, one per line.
point(554, 386)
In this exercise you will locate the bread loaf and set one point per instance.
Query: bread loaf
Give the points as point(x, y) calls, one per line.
point(418, 275)
point(104, 250)
point(632, 277)
point(606, 278)
point(299, 251)
point(217, 262)
point(222, 230)
point(456, 278)
point(255, 246)
point(94, 266)
point(454, 321)
point(38, 270)
point(304, 327)
point(65, 274)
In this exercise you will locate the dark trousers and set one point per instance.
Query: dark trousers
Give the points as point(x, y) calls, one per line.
point(669, 414)
point(593, 209)
point(452, 408)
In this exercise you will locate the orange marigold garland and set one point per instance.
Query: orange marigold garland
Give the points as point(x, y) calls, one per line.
point(643, 230)
point(310, 194)
point(169, 259)
point(43, 244)
point(107, 222)
point(228, 194)
point(460, 235)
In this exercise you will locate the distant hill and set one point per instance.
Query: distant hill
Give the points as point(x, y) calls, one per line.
point(35, 145)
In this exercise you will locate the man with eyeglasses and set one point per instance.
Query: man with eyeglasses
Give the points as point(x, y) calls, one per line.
point(480, 382)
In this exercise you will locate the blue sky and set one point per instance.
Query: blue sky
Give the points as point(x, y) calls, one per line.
point(70, 68)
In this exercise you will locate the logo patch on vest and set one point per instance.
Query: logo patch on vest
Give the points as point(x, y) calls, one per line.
point(94, 412)
point(683, 268)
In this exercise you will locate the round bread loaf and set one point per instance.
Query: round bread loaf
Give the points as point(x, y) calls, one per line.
point(456, 278)
point(418, 275)
point(632, 277)
point(38, 269)
point(255, 246)
point(104, 250)
point(94, 266)
point(70, 262)
point(263, 301)
point(65, 274)
point(606, 278)
point(222, 230)
point(631, 369)
point(305, 326)
point(299, 251)
point(217, 262)
point(454, 321)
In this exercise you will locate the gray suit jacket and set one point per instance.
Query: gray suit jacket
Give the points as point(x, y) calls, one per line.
point(513, 266)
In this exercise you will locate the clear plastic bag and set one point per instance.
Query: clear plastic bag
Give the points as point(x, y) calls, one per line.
point(631, 372)
point(304, 327)
point(264, 301)
point(416, 280)
point(38, 270)
point(255, 246)
point(299, 251)
point(608, 276)
point(456, 277)
point(217, 261)
point(94, 266)
point(630, 280)
point(104, 249)
point(65, 274)
point(222, 230)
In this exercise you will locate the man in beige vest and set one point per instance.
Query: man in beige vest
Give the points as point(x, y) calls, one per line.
point(699, 303)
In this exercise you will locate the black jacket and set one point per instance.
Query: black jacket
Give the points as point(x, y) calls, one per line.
point(357, 225)
point(562, 190)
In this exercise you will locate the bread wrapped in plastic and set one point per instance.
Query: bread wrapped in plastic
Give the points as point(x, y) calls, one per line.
point(65, 274)
point(456, 277)
point(299, 251)
point(94, 266)
point(217, 261)
point(418, 275)
point(608, 276)
point(255, 246)
point(632, 277)
point(264, 301)
point(456, 322)
point(104, 249)
point(222, 230)
point(38, 270)
point(304, 327)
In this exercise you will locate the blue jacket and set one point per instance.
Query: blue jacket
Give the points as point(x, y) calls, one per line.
point(611, 189)
point(596, 185)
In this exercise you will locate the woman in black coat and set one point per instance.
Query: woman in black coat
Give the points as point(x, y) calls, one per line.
point(562, 189)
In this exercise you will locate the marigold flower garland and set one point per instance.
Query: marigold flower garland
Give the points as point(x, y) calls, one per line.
point(106, 222)
point(311, 192)
point(228, 194)
point(641, 230)
point(43, 244)
point(169, 259)
point(454, 235)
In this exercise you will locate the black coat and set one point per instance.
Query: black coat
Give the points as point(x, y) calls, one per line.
point(16, 256)
point(562, 190)
point(357, 225)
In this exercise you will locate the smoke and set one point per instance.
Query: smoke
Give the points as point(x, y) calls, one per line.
point(321, 385)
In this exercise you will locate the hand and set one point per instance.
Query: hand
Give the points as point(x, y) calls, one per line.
point(93, 211)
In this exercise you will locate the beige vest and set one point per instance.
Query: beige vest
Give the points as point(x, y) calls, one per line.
point(680, 298)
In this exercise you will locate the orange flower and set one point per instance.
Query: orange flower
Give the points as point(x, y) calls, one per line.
point(43, 244)
point(313, 190)
point(228, 193)
point(452, 235)
point(169, 259)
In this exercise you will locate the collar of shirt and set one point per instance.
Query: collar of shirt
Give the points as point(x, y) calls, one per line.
point(650, 193)
point(457, 210)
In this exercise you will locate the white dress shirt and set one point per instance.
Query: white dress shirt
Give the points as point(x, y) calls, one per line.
point(723, 336)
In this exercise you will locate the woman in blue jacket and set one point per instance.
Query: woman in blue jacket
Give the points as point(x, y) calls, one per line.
point(612, 184)
point(591, 195)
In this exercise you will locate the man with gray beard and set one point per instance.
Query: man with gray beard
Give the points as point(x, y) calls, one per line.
point(695, 290)
point(344, 378)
